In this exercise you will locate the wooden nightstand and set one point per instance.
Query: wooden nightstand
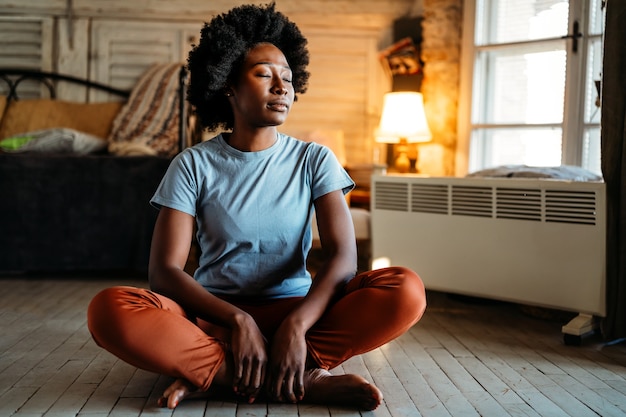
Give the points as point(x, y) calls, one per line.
point(360, 197)
point(362, 175)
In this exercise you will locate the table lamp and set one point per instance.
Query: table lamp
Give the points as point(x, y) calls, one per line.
point(403, 121)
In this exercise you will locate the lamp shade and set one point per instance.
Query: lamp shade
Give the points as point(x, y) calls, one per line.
point(403, 119)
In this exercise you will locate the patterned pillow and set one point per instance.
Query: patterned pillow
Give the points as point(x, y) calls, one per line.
point(151, 115)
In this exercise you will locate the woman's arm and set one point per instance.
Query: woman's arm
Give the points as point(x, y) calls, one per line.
point(339, 244)
point(336, 232)
point(171, 242)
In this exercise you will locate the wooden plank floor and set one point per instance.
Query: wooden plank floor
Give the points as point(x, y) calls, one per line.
point(463, 359)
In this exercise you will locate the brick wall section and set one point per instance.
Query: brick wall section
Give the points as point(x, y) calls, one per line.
point(441, 52)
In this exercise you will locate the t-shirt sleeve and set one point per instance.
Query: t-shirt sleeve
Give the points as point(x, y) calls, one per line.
point(178, 188)
point(328, 174)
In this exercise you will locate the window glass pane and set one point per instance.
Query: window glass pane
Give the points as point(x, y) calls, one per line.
point(502, 21)
point(591, 150)
point(520, 85)
point(596, 17)
point(528, 146)
point(592, 81)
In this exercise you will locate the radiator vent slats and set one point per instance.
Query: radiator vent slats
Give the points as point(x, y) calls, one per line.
point(472, 201)
point(571, 207)
point(529, 204)
point(392, 196)
point(518, 203)
point(429, 198)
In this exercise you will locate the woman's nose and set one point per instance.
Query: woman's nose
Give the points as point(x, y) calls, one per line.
point(279, 87)
point(280, 90)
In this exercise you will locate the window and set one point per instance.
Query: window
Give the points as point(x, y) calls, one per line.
point(530, 84)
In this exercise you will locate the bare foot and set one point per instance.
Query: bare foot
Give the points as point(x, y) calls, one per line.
point(321, 387)
point(175, 393)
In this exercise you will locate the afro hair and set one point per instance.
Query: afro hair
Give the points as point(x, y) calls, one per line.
point(224, 43)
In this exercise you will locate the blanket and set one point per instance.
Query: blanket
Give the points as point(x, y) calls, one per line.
point(562, 172)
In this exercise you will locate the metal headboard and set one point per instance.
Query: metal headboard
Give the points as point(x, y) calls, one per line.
point(13, 77)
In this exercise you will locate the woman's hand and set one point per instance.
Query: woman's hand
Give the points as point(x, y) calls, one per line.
point(287, 364)
point(249, 350)
point(288, 347)
point(171, 241)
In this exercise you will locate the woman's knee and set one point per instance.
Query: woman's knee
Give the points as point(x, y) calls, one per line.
point(390, 277)
point(412, 289)
point(417, 293)
point(403, 284)
point(107, 301)
point(108, 308)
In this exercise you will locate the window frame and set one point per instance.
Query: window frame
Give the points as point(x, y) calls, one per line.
point(573, 124)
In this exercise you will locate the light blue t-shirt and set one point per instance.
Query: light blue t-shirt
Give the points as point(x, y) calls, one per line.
point(253, 211)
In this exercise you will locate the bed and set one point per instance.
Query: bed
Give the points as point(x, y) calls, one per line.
point(81, 203)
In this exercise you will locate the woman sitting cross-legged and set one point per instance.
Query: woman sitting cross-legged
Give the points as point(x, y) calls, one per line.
point(252, 317)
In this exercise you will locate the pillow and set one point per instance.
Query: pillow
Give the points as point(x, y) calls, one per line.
point(33, 115)
point(150, 117)
point(54, 140)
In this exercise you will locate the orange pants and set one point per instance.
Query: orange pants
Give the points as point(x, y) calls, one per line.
point(154, 333)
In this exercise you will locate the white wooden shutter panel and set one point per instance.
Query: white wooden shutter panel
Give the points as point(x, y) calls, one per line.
point(124, 50)
point(26, 42)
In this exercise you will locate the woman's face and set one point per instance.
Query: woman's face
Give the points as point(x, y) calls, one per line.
point(263, 93)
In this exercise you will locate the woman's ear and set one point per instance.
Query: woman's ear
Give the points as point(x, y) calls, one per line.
point(227, 90)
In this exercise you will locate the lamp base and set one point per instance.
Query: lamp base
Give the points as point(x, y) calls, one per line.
point(407, 158)
point(402, 163)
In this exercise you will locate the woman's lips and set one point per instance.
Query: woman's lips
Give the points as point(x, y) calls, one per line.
point(278, 105)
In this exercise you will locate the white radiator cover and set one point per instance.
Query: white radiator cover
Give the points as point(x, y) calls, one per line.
point(532, 241)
